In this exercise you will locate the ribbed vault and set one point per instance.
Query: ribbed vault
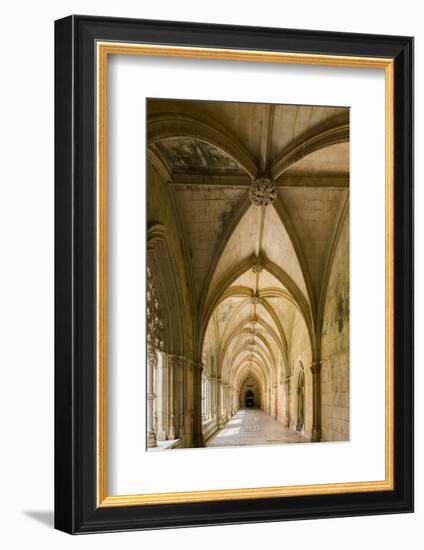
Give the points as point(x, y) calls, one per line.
point(256, 274)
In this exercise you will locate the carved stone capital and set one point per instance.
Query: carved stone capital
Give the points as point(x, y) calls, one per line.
point(152, 356)
point(175, 361)
point(198, 365)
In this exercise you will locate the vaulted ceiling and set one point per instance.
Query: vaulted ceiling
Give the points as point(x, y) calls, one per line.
point(253, 269)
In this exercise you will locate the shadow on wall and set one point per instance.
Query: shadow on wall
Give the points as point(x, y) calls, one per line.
point(45, 517)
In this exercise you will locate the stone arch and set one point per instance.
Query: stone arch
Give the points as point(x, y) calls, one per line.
point(243, 388)
point(331, 133)
point(329, 266)
point(241, 271)
point(223, 286)
point(160, 262)
point(165, 126)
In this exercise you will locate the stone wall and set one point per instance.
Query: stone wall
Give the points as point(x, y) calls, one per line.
point(300, 355)
point(335, 346)
point(174, 294)
point(250, 384)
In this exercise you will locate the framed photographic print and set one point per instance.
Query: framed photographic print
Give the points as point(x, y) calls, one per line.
point(234, 274)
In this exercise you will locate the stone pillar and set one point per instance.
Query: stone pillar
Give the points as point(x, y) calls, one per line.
point(181, 396)
point(274, 412)
point(219, 403)
point(299, 420)
point(286, 389)
point(151, 366)
point(172, 392)
point(209, 412)
point(212, 397)
point(203, 398)
point(197, 405)
point(161, 400)
point(225, 401)
point(189, 403)
point(316, 400)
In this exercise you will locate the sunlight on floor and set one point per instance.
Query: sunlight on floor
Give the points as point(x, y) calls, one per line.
point(228, 431)
point(253, 427)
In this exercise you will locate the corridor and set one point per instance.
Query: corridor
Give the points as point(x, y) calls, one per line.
point(253, 427)
point(247, 291)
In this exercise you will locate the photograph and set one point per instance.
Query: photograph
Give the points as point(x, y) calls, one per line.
point(247, 287)
point(211, 275)
point(233, 274)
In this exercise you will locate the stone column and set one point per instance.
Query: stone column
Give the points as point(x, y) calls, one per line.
point(172, 392)
point(274, 401)
point(210, 398)
point(161, 400)
point(299, 397)
point(189, 402)
point(151, 366)
point(219, 403)
point(316, 400)
point(203, 398)
point(197, 405)
point(286, 388)
point(225, 401)
point(212, 394)
point(181, 396)
point(207, 398)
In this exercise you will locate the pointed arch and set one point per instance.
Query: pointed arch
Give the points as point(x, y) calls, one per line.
point(243, 267)
point(327, 272)
point(259, 321)
point(245, 336)
point(160, 262)
point(163, 126)
point(331, 133)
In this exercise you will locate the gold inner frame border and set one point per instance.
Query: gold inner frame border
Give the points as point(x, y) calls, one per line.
point(103, 50)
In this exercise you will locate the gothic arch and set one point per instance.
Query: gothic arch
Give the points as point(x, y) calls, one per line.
point(160, 262)
point(244, 271)
point(165, 126)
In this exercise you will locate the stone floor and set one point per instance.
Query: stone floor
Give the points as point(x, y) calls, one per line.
point(253, 427)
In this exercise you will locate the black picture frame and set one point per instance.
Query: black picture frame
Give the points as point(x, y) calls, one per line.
point(76, 510)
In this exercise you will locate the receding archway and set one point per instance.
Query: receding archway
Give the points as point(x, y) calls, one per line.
point(249, 394)
point(249, 399)
point(250, 272)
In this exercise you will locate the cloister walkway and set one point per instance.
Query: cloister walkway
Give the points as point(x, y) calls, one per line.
point(253, 427)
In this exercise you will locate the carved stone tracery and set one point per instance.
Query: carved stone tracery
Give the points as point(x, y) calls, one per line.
point(257, 268)
point(154, 321)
